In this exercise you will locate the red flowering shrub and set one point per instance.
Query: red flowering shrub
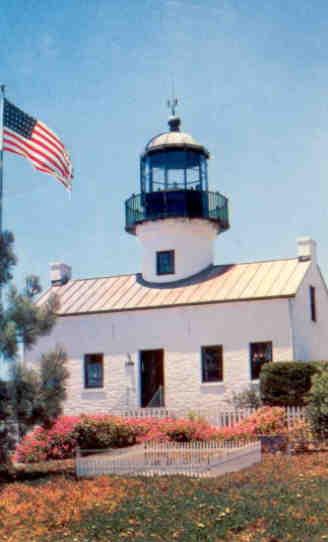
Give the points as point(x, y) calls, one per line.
point(178, 430)
point(104, 431)
point(187, 430)
point(150, 428)
point(32, 447)
point(42, 444)
point(266, 421)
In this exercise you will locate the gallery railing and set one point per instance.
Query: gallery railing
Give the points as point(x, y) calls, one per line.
point(176, 203)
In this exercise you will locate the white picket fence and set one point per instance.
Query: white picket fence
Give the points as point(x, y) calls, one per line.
point(217, 417)
point(190, 453)
point(295, 414)
point(198, 459)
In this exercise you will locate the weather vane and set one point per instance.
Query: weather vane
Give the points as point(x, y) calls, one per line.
point(171, 104)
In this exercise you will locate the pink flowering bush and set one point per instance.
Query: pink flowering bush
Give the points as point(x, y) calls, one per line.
point(58, 442)
point(166, 429)
point(150, 428)
point(265, 421)
point(32, 447)
point(104, 431)
point(188, 430)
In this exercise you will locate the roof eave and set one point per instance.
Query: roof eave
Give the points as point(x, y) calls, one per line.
point(214, 302)
point(167, 146)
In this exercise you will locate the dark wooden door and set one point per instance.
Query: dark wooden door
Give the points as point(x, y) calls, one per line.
point(152, 378)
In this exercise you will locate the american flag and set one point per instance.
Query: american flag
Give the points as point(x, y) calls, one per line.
point(28, 137)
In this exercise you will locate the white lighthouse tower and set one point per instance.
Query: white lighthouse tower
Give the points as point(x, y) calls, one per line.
point(175, 217)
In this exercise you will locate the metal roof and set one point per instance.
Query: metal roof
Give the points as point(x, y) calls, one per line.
point(217, 284)
point(173, 139)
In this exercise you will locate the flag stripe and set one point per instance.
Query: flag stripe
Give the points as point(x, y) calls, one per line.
point(22, 153)
point(35, 161)
point(50, 172)
point(41, 141)
point(33, 156)
point(39, 148)
point(55, 155)
point(42, 168)
point(32, 150)
point(44, 136)
point(50, 133)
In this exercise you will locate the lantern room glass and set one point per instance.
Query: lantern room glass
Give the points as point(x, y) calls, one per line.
point(173, 169)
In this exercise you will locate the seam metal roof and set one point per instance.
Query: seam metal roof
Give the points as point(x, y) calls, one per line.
point(217, 284)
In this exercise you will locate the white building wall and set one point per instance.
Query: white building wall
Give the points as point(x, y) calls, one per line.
point(180, 331)
point(191, 240)
point(310, 338)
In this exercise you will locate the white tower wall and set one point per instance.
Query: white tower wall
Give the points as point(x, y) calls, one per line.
point(191, 239)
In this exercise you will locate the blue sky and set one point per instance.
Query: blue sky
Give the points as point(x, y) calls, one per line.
point(252, 81)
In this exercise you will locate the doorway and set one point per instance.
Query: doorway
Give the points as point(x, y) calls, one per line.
point(152, 378)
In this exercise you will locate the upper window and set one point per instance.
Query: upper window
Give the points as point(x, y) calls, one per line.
point(260, 353)
point(212, 363)
point(93, 371)
point(313, 307)
point(165, 262)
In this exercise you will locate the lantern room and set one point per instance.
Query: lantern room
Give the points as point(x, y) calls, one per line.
point(173, 161)
point(174, 182)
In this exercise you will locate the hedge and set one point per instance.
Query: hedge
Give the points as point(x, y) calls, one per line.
point(317, 409)
point(287, 383)
point(100, 432)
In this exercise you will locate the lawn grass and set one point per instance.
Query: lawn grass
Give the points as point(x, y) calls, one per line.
point(283, 499)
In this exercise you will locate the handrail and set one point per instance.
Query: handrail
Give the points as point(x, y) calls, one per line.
point(176, 203)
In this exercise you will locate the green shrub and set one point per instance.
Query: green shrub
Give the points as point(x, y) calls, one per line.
point(181, 430)
point(100, 432)
point(317, 408)
point(286, 383)
point(248, 398)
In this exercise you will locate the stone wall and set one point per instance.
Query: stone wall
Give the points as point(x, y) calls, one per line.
point(181, 332)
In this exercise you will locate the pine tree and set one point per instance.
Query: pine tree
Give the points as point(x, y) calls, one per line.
point(21, 320)
point(36, 396)
point(30, 397)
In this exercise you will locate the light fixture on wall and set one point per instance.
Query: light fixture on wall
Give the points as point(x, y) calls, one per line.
point(129, 361)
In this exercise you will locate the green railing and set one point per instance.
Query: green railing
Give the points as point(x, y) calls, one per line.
point(176, 203)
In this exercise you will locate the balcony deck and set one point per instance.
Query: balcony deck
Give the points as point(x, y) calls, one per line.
point(211, 206)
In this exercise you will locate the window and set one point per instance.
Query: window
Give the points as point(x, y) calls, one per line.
point(93, 371)
point(165, 262)
point(313, 304)
point(260, 353)
point(212, 363)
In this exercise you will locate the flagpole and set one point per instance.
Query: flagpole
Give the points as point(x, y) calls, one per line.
point(2, 90)
point(2, 97)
